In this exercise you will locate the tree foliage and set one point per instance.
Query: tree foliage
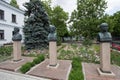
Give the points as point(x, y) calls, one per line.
point(48, 8)
point(14, 3)
point(87, 17)
point(36, 27)
point(59, 19)
point(116, 23)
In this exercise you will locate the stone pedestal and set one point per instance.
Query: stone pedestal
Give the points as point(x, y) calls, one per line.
point(105, 66)
point(105, 57)
point(52, 53)
point(16, 50)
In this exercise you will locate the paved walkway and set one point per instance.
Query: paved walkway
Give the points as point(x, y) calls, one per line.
point(61, 72)
point(7, 75)
point(91, 73)
point(14, 66)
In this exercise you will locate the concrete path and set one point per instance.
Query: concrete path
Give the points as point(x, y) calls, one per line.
point(14, 66)
point(60, 72)
point(91, 73)
point(7, 75)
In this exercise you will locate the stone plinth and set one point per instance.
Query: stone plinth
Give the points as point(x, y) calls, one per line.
point(59, 73)
point(16, 50)
point(52, 53)
point(105, 66)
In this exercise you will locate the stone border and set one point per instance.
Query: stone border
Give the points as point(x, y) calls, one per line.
point(83, 70)
point(105, 74)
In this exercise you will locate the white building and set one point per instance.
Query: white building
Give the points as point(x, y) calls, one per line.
point(10, 17)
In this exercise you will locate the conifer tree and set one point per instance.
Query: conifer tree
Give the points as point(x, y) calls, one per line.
point(36, 27)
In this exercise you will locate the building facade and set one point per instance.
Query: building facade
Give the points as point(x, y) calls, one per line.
point(10, 17)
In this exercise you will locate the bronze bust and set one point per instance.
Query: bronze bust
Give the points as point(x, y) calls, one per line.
point(52, 35)
point(16, 35)
point(104, 35)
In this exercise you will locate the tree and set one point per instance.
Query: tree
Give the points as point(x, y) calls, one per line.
point(110, 20)
point(116, 23)
point(48, 8)
point(14, 3)
point(86, 17)
point(59, 18)
point(36, 27)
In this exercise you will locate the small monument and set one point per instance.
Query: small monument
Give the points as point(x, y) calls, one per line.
point(52, 68)
point(52, 38)
point(16, 44)
point(104, 37)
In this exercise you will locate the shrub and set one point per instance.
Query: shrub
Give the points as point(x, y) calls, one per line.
point(26, 67)
point(87, 42)
point(76, 72)
point(6, 51)
point(59, 41)
point(39, 59)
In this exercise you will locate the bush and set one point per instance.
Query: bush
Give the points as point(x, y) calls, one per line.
point(87, 42)
point(76, 72)
point(26, 67)
point(39, 59)
point(6, 51)
point(59, 41)
point(115, 58)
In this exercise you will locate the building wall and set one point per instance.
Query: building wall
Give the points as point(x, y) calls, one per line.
point(7, 25)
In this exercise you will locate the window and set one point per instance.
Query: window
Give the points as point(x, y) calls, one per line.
point(1, 34)
point(13, 18)
point(1, 15)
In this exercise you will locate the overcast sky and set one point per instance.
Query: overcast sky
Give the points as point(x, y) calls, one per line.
point(70, 5)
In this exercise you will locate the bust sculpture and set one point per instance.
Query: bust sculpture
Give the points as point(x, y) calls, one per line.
point(104, 35)
point(52, 35)
point(16, 35)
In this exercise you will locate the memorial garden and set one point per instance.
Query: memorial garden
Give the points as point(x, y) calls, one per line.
point(55, 51)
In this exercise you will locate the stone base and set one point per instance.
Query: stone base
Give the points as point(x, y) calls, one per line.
point(52, 66)
point(15, 65)
point(17, 60)
point(108, 74)
point(61, 72)
point(91, 73)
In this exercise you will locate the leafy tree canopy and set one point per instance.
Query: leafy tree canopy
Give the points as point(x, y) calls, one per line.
point(87, 17)
point(14, 3)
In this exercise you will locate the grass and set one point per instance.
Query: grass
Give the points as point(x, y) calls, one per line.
point(115, 58)
point(76, 72)
point(4, 58)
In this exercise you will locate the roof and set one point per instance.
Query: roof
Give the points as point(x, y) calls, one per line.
point(2, 2)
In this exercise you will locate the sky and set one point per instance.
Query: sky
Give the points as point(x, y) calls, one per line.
point(70, 5)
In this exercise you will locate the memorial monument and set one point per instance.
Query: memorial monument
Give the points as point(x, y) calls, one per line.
point(105, 38)
point(52, 38)
point(16, 44)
